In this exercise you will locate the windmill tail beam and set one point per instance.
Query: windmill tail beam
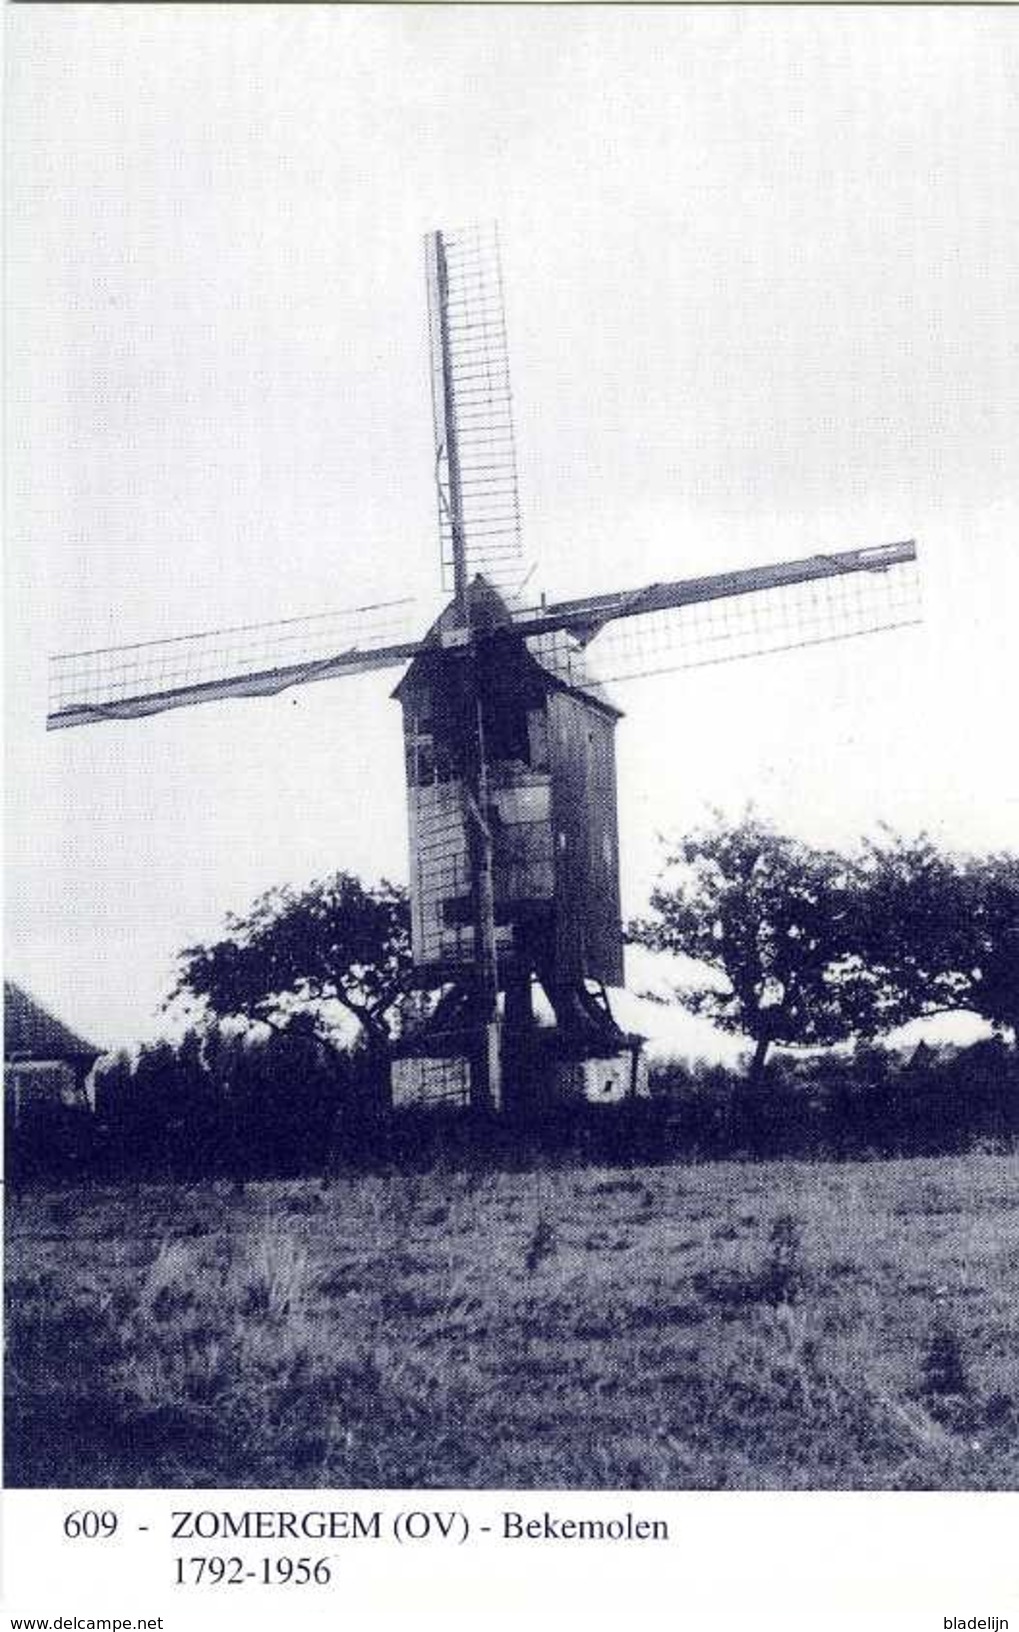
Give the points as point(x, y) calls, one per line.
point(586, 617)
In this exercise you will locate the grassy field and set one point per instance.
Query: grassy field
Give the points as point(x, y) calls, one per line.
point(724, 1325)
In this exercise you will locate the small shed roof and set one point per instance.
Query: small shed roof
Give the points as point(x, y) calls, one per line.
point(31, 1033)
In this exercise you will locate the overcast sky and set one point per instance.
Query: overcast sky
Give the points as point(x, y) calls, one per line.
point(762, 283)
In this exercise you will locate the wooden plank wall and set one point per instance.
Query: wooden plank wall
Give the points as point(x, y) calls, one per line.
point(589, 940)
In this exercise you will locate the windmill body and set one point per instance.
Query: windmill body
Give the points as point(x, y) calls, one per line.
point(509, 733)
point(549, 743)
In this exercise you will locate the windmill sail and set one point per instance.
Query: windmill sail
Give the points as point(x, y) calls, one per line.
point(618, 636)
point(719, 619)
point(472, 405)
point(246, 660)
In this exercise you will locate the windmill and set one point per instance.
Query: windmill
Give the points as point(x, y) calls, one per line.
point(509, 732)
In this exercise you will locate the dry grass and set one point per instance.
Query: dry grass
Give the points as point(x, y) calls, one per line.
point(776, 1325)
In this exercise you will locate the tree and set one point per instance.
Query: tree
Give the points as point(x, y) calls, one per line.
point(773, 919)
point(992, 889)
point(941, 931)
point(295, 950)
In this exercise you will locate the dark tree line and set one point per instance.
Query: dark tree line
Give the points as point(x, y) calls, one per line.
point(222, 1103)
point(800, 947)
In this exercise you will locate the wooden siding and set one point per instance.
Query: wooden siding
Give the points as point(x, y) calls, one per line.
point(441, 928)
point(438, 872)
point(589, 941)
point(552, 809)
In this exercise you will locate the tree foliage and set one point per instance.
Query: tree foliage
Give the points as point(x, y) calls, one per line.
point(992, 886)
point(810, 947)
point(220, 1102)
point(772, 918)
point(942, 931)
point(335, 941)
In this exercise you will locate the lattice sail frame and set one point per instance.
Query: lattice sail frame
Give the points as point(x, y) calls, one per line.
point(657, 629)
point(754, 621)
point(243, 660)
point(472, 407)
